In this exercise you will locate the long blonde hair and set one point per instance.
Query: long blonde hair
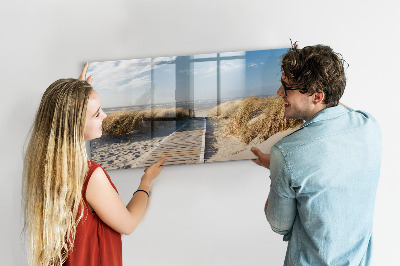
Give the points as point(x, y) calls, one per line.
point(55, 167)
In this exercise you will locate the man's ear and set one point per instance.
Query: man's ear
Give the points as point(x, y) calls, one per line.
point(318, 97)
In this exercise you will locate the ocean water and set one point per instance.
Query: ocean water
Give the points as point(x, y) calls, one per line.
point(198, 105)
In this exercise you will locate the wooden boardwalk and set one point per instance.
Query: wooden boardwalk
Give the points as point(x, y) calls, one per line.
point(185, 145)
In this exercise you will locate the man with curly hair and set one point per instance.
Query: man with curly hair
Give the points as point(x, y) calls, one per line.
point(324, 175)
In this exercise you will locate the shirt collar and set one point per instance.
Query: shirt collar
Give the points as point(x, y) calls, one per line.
point(326, 114)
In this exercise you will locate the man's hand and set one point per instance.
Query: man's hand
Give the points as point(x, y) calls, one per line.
point(263, 158)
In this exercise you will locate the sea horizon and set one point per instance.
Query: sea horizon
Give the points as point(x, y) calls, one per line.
point(198, 105)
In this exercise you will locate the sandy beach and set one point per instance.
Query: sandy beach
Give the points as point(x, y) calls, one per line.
point(197, 140)
point(117, 153)
point(202, 112)
point(229, 148)
point(123, 152)
point(126, 151)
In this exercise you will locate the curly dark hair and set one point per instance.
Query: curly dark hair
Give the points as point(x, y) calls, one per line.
point(316, 69)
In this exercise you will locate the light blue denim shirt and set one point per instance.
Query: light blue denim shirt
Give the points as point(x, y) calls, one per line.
point(324, 178)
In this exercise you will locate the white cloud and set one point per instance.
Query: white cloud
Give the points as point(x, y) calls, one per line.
point(168, 59)
point(122, 75)
point(230, 65)
point(226, 66)
point(119, 75)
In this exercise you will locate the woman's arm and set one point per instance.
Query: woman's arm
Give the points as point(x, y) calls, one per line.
point(345, 106)
point(108, 205)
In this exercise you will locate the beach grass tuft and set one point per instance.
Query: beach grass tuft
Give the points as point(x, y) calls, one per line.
point(254, 117)
point(124, 122)
point(225, 109)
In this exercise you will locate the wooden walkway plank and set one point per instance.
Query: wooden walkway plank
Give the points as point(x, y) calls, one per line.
point(186, 145)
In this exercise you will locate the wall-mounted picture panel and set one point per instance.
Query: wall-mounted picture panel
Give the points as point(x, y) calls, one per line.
point(188, 109)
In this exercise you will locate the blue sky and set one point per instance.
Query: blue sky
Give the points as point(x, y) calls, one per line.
point(263, 71)
point(128, 82)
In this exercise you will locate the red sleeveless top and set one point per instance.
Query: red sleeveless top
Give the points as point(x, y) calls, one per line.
point(95, 242)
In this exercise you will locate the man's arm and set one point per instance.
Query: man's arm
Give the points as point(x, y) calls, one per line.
point(266, 206)
point(262, 160)
point(280, 208)
point(345, 106)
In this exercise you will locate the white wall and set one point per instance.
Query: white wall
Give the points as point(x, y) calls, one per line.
point(200, 214)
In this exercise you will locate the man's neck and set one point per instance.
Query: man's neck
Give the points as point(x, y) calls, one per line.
point(318, 108)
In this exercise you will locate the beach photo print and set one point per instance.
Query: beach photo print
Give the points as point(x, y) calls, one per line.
point(189, 109)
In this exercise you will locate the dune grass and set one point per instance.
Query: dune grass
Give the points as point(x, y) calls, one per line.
point(247, 119)
point(124, 122)
point(225, 109)
point(254, 117)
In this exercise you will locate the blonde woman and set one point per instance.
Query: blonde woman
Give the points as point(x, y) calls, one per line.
point(73, 213)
